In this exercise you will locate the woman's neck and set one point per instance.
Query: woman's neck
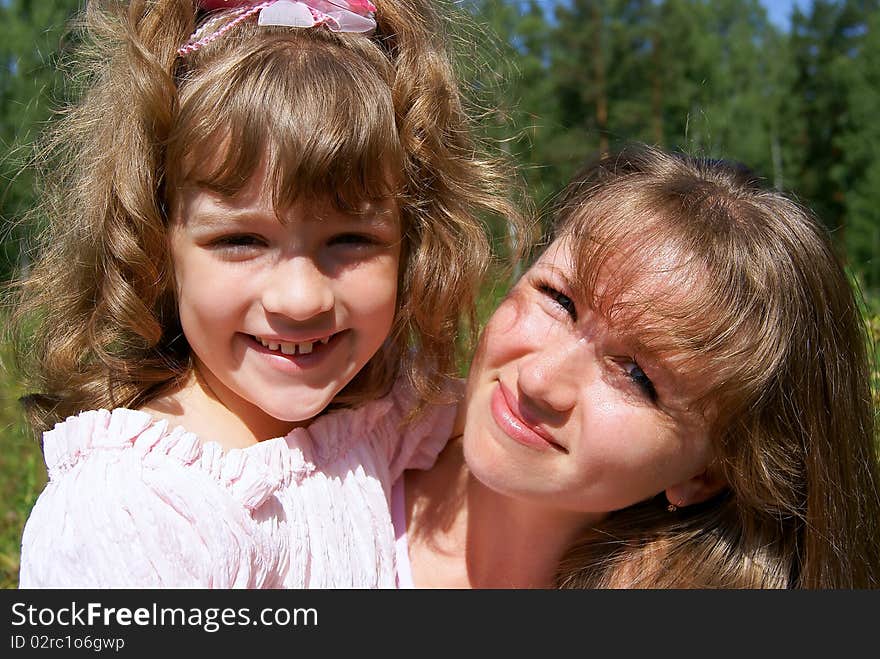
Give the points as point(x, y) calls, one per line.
point(462, 534)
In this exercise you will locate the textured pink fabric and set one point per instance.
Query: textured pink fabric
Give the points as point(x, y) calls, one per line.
point(132, 503)
point(401, 546)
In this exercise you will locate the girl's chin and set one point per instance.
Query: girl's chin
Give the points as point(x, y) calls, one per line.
point(301, 415)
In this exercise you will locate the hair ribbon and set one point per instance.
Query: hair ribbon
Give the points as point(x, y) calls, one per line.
point(336, 15)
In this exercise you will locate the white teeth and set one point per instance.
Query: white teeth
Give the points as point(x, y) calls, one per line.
point(288, 348)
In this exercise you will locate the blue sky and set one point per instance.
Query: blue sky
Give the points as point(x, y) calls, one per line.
point(779, 11)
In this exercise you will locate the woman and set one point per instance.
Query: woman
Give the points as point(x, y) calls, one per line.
point(676, 394)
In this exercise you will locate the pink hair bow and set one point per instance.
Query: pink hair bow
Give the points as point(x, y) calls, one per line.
point(337, 15)
point(341, 15)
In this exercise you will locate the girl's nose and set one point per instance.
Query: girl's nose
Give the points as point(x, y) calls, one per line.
point(298, 289)
point(553, 375)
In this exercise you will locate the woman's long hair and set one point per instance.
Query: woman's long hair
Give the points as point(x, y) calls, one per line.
point(762, 314)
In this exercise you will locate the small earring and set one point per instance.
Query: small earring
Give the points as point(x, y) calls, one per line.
point(671, 508)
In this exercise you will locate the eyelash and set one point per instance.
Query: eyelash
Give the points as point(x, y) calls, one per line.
point(640, 379)
point(353, 239)
point(238, 242)
point(560, 299)
point(247, 241)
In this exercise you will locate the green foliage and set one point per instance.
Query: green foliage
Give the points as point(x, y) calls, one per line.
point(30, 83)
point(713, 78)
point(858, 173)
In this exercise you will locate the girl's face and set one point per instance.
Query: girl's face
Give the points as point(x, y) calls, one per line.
point(280, 317)
point(565, 410)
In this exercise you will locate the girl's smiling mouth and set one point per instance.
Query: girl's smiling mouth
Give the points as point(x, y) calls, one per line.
point(290, 347)
point(308, 349)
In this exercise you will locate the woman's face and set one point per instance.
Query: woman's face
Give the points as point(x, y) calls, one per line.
point(567, 411)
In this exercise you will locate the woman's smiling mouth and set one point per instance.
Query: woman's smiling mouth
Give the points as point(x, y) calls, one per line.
point(504, 411)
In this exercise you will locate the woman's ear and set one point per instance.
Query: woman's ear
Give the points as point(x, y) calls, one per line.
point(698, 489)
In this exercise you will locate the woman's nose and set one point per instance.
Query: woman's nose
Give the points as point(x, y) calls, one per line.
point(553, 375)
point(298, 289)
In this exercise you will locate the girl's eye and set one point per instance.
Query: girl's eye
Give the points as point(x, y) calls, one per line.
point(637, 375)
point(560, 299)
point(237, 242)
point(353, 239)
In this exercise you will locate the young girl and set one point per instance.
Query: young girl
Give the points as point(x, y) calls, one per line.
point(260, 212)
point(677, 394)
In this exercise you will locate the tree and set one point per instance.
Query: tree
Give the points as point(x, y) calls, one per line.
point(825, 44)
point(30, 41)
point(514, 66)
point(858, 173)
point(719, 79)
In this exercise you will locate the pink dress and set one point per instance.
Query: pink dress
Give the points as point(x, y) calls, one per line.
point(401, 543)
point(131, 503)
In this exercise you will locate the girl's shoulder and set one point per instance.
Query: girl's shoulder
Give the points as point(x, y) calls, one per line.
point(130, 503)
point(146, 445)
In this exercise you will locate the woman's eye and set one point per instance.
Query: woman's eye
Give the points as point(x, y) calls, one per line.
point(560, 299)
point(637, 375)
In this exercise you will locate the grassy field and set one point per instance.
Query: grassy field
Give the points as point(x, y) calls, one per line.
point(22, 473)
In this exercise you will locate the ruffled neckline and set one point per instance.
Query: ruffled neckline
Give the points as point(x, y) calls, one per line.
point(252, 473)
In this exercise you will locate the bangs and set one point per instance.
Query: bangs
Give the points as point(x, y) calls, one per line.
point(314, 116)
point(677, 283)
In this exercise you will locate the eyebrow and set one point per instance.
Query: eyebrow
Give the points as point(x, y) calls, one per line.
point(218, 214)
point(661, 357)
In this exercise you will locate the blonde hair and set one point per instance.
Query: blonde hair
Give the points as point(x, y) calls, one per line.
point(764, 314)
point(344, 116)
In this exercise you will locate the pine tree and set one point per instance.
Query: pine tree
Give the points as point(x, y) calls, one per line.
point(825, 44)
point(857, 174)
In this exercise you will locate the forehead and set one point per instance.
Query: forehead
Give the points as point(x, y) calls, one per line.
point(654, 300)
point(612, 280)
point(199, 204)
point(305, 140)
